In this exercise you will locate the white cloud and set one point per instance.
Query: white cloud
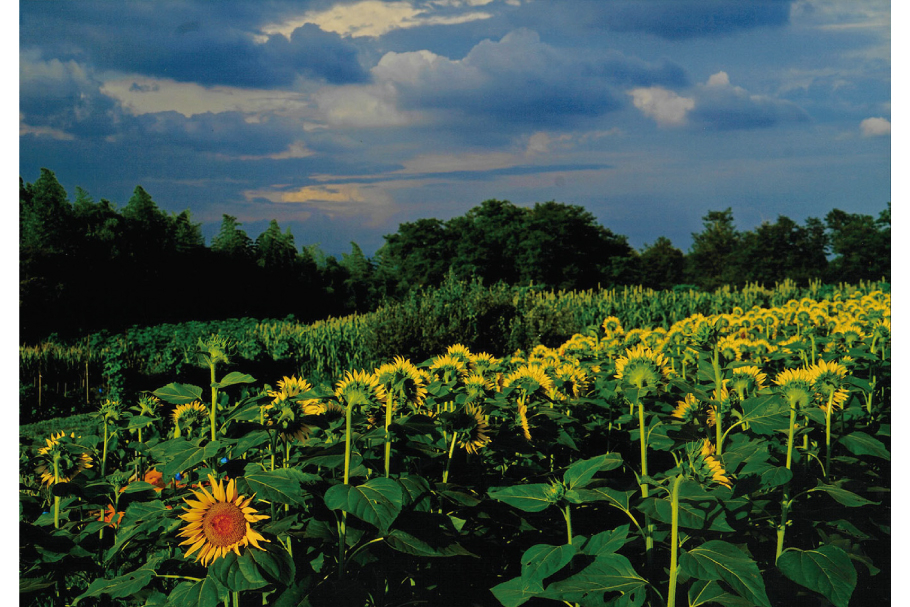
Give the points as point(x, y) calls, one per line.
point(362, 106)
point(720, 79)
point(42, 131)
point(372, 18)
point(664, 106)
point(875, 127)
point(141, 95)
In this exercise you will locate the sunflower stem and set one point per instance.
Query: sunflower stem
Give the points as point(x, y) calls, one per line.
point(785, 501)
point(388, 439)
point(56, 497)
point(643, 432)
point(828, 433)
point(214, 398)
point(445, 474)
point(674, 541)
point(104, 448)
point(718, 389)
point(567, 514)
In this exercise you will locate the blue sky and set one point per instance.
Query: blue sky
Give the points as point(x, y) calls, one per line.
point(344, 119)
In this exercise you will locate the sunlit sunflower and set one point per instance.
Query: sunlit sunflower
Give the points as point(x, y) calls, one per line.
point(611, 325)
point(569, 382)
point(827, 380)
point(795, 385)
point(448, 368)
point(188, 416)
point(523, 420)
point(687, 409)
point(642, 367)
point(705, 465)
point(483, 363)
point(528, 381)
point(460, 352)
point(403, 382)
point(477, 387)
point(472, 429)
point(290, 387)
point(219, 522)
point(358, 388)
point(747, 381)
point(70, 461)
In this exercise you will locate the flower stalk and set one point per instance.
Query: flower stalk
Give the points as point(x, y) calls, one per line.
point(674, 541)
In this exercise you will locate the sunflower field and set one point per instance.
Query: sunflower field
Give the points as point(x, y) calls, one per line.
point(731, 459)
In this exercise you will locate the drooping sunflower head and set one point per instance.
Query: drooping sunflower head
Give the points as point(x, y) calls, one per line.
point(358, 388)
point(795, 385)
point(687, 409)
point(641, 367)
point(189, 416)
point(569, 382)
point(828, 381)
point(705, 465)
point(401, 380)
point(110, 410)
point(472, 429)
point(611, 326)
point(483, 363)
point(148, 405)
point(460, 352)
point(747, 381)
point(289, 388)
point(70, 457)
point(448, 368)
point(729, 347)
point(529, 381)
point(219, 522)
point(477, 387)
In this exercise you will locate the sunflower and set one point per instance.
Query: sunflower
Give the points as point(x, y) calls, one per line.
point(523, 420)
point(477, 387)
point(69, 463)
point(472, 429)
point(358, 388)
point(687, 409)
point(641, 367)
point(448, 368)
point(483, 363)
point(289, 387)
point(569, 381)
point(107, 516)
point(528, 381)
point(611, 326)
point(747, 381)
point(827, 380)
point(796, 386)
point(188, 416)
point(219, 522)
point(705, 465)
point(460, 352)
point(401, 380)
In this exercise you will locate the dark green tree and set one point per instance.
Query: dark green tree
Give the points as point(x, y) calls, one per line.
point(276, 251)
point(488, 242)
point(861, 246)
point(711, 261)
point(417, 255)
point(232, 241)
point(775, 251)
point(44, 214)
point(661, 265)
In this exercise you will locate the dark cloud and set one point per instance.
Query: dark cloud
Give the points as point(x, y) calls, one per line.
point(188, 42)
point(726, 107)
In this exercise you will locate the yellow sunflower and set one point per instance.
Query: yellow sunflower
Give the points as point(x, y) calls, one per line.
point(472, 429)
point(705, 465)
point(687, 409)
point(747, 381)
point(69, 464)
point(796, 386)
point(642, 367)
point(529, 380)
point(402, 380)
point(219, 522)
point(358, 388)
point(827, 378)
point(188, 416)
point(569, 381)
point(448, 368)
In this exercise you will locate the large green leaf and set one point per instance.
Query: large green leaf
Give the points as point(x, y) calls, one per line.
point(378, 501)
point(614, 497)
point(607, 542)
point(608, 573)
point(581, 472)
point(181, 455)
point(282, 486)
point(437, 546)
point(765, 414)
point(860, 443)
point(515, 592)
point(234, 377)
point(722, 561)
point(826, 570)
point(205, 593)
point(534, 497)
point(543, 560)
point(415, 493)
point(847, 498)
point(121, 586)
point(703, 514)
point(237, 573)
point(179, 394)
point(703, 592)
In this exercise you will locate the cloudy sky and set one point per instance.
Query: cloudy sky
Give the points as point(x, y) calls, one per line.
point(343, 119)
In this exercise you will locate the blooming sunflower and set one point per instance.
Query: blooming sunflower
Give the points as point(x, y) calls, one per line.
point(460, 352)
point(219, 522)
point(188, 416)
point(747, 381)
point(477, 387)
point(827, 380)
point(796, 386)
point(483, 363)
point(687, 409)
point(402, 381)
point(448, 368)
point(472, 429)
point(358, 388)
point(69, 461)
point(642, 367)
point(705, 465)
point(569, 381)
point(529, 380)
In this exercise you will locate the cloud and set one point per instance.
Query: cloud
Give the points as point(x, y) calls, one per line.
point(373, 18)
point(339, 200)
point(665, 107)
point(875, 127)
point(722, 106)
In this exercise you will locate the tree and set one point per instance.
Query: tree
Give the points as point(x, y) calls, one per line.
point(776, 251)
point(488, 241)
point(231, 241)
point(44, 214)
point(359, 283)
point(861, 246)
point(276, 251)
point(661, 265)
point(711, 259)
point(417, 255)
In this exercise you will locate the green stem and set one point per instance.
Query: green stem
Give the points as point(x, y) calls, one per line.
point(828, 433)
point(643, 442)
point(342, 523)
point(674, 541)
point(567, 514)
point(445, 474)
point(214, 399)
point(388, 439)
point(785, 501)
point(56, 497)
point(718, 389)
point(104, 449)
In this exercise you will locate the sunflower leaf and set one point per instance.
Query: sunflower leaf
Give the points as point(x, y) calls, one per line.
point(765, 413)
point(121, 586)
point(378, 501)
point(516, 592)
point(608, 573)
point(579, 474)
point(543, 560)
point(179, 394)
point(204, 593)
point(717, 560)
point(182, 455)
point(860, 443)
point(534, 497)
point(275, 561)
point(826, 570)
point(282, 486)
point(842, 496)
point(237, 573)
point(232, 378)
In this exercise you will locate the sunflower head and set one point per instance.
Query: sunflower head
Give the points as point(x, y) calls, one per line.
point(477, 387)
point(687, 409)
point(110, 410)
point(289, 388)
point(460, 352)
point(483, 363)
point(189, 416)
point(641, 368)
point(358, 388)
point(61, 459)
point(401, 380)
point(472, 429)
point(448, 368)
point(705, 465)
point(569, 381)
point(529, 381)
point(219, 522)
point(148, 405)
point(747, 381)
point(795, 385)
point(611, 326)
point(828, 381)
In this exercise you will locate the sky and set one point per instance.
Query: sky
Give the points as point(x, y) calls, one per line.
point(343, 119)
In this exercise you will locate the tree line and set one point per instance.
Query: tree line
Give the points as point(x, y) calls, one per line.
point(87, 265)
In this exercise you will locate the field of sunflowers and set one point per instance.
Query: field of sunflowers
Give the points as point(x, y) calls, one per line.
point(734, 459)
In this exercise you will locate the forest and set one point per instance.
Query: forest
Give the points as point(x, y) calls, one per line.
point(87, 265)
